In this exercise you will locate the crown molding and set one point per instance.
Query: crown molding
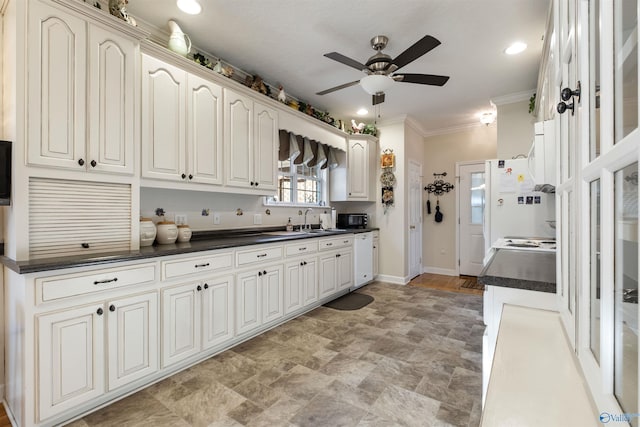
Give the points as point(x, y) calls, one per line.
point(455, 129)
point(513, 97)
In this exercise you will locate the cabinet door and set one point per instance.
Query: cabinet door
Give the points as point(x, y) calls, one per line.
point(238, 139)
point(217, 311)
point(70, 358)
point(57, 61)
point(248, 308)
point(345, 269)
point(266, 147)
point(376, 256)
point(358, 179)
point(310, 274)
point(163, 120)
point(204, 131)
point(272, 290)
point(132, 338)
point(180, 323)
point(111, 101)
point(293, 286)
point(327, 277)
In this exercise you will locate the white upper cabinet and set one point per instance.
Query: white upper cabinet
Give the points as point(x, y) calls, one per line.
point(355, 177)
point(85, 79)
point(251, 140)
point(163, 120)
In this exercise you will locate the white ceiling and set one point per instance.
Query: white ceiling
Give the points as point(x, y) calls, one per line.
point(284, 41)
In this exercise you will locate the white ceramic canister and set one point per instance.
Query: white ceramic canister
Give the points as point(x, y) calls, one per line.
point(167, 233)
point(184, 233)
point(147, 232)
point(179, 42)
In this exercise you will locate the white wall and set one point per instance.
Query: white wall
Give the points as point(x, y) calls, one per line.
point(515, 129)
point(441, 152)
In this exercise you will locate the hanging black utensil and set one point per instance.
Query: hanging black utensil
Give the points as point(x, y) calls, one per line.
point(428, 207)
point(438, 215)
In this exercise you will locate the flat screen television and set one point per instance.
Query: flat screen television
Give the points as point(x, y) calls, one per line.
point(5, 173)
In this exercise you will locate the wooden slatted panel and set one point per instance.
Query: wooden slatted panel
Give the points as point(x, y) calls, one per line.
point(64, 215)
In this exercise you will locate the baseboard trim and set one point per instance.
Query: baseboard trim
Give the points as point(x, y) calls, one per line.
point(395, 280)
point(443, 271)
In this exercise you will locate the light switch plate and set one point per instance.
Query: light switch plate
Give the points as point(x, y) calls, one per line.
point(216, 218)
point(180, 219)
point(257, 219)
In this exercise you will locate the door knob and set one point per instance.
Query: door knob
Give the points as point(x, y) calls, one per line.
point(567, 93)
point(563, 106)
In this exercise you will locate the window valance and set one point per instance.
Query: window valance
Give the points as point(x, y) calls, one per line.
point(304, 151)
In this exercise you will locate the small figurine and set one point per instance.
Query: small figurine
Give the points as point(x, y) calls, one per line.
point(118, 8)
point(218, 67)
point(309, 110)
point(227, 71)
point(357, 128)
point(282, 97)
point(258, 85)
point(202, 60)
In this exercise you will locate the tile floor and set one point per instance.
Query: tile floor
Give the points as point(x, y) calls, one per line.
point(412, 357)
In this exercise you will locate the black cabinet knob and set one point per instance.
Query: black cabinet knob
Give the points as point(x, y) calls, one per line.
point(302, 263)
point(264, 272)
point(206, 286)
point(112, 308)
point(256, 183)
point(81, 162)
point(259, 273)
point(93, 163)
point(199, 288)
point(305, 263)
point(183, 176)
point(567, 93)
point(100, 311)
point(252, 183)
point(190, 176)
point(563, 107)
point(85, 245)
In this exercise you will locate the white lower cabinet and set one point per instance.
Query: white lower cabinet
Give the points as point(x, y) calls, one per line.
point(196, 316)
point(259, 298)
point(300, 284)
point(336, 271)
point(376, 253)
point(71, 353)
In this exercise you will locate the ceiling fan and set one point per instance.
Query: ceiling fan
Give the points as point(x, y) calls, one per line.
point(380, 68)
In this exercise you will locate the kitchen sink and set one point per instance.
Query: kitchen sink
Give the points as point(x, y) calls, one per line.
point(285, 233)
point(523, 245)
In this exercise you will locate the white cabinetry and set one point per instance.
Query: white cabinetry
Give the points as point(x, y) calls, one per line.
point(358, 172)
point(542, 156)
point(335, 265)
point(259, 297)
point(196, 316)
point(251, 141)
point(71, 354)
point(84, 79)
point(181, 125)
point(301, 283)
point(376, 253)
point(363, 258)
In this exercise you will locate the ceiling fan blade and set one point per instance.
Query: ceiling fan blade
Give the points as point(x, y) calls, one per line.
point(345, 60)
point(423, 79)
point(414, 52)
point(377, 98)
point(333, 89)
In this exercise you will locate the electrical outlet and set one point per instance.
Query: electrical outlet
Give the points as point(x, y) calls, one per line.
point(181, 219)
point(216, 218)
point(257, 219)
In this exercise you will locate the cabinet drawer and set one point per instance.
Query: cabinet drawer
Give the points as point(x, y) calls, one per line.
point(183, 267)
point(299, 248)
point(336, 242)
point(258, 255)
point(69, 285)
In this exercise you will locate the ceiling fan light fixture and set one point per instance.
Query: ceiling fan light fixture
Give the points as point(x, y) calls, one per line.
point(515, 48)
point(191, 7)
point(362, 112)
point(375, 83)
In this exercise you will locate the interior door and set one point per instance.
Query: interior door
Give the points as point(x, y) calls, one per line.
point(471, 201)
point(415, 219)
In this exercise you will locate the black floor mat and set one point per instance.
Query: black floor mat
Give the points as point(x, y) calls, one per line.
point(352, 301)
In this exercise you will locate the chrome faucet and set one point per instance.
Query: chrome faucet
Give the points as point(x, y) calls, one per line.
point(307, 226)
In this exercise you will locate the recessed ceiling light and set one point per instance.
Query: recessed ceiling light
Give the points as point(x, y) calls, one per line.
point(515, 48)
point(192, 7)
point(362, 112)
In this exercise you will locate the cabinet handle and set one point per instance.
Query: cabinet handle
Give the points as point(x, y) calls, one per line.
point(259, 273)
point(374, 247)
point(199, 288)
point(264, 273)
point(102, 282)
point(81, 162)
point(261, 255)
point(301, 264)
point(329, 244)
point(100, 311)
point(257, 183)
point(93, 163)
point(302, 249)
point(190, 176)
point(183, 176)
point(112, 308)
point(305, 263)
point(85, 245)
point(252, 183)
point(345, 241)
point(201, 265)
point(206, 286)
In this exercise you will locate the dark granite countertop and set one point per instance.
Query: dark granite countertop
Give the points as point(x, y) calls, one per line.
point(201, 241)
point(529, 270)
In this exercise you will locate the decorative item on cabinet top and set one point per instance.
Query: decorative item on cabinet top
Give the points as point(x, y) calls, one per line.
point(118, 8)
point(179, 42)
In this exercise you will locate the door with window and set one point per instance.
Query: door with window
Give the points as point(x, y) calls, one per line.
point(470, 221)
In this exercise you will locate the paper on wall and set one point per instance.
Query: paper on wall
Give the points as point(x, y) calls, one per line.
point(507, 183)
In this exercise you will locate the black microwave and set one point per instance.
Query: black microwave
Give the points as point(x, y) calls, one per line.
point(5, 173)
point(352, 220)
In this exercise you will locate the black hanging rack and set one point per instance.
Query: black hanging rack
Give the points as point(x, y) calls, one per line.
point(438, 186)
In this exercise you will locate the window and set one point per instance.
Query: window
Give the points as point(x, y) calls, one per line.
point(299, 184)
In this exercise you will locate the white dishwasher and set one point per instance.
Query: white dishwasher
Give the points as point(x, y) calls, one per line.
point(363, 259)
